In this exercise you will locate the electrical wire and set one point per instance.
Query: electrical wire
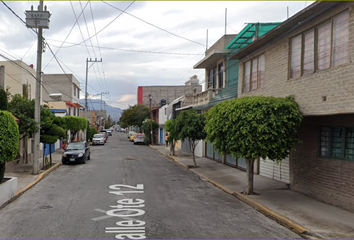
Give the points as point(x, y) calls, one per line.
point(153, 25)
point(132, 50)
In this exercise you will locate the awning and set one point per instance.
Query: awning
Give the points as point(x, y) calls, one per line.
point(70, 104)
point(78, 105)
point(249, 33)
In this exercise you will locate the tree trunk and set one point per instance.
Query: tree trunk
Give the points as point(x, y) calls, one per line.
point(250, 172)
point(45, 145)
point(192, 146)
point(2, 170)
point(172, 147)
point(50, 154)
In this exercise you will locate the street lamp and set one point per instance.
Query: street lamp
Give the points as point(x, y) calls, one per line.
point(152, 136)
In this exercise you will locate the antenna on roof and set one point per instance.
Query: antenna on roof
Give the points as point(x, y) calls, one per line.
point(206, 40)
point(225, 19)
point(287, 12)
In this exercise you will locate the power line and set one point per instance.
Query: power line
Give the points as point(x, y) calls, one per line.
point(154, 25)
point(132, 50)
point(105, 26)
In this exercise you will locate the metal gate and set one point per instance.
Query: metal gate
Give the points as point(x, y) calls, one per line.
point(209, 150)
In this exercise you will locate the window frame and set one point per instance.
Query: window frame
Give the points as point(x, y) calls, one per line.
point(315, 46)
point(343, 145)
point(249, 80)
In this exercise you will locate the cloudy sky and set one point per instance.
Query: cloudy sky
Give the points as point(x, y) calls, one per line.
point(140, 43)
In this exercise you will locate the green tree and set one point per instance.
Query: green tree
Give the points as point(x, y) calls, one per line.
point(134, 116)
point(23, 110)
point(3, 99)
point(171, 127)
point(146, 130)
point(51, 130)
point(75, 124)
point(254, 127)
point(91, 131)
point(191, 126)
point(108, 123)
point(9, 140)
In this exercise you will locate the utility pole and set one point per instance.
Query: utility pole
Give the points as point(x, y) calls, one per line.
point(102, 100)
point(87, 68)
point(38, 19)
point(151, 133)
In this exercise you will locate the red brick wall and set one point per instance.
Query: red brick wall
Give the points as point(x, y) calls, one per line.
point(328, 180)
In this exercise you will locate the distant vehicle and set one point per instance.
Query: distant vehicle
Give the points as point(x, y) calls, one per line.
point(130, 134)
point(109, 131)
point(139, 138)
point(99, 138)
point(132, 137)
point(76, 152)
point(104, 131)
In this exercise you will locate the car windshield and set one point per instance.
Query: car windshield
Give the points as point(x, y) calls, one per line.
point(76, 146)
point(98, 136)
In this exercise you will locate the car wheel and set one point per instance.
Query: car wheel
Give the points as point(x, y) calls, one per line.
point(89, 157)
point(84, 160)
point(63, 161)
point(134, 143)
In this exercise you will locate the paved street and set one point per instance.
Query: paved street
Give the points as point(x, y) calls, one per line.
point(167, 200)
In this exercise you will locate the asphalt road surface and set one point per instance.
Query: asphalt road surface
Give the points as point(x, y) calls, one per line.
point(131, 191)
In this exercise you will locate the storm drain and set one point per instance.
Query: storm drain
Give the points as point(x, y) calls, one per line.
point(129, 158)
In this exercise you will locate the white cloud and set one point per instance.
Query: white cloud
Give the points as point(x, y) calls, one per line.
point(121, 72)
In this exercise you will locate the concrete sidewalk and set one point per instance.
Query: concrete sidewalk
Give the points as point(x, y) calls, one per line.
point(306, 216)
point(24, 175)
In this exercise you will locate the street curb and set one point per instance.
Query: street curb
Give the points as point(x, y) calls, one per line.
point(274, 215)
point(304, 232)
point(39, 178)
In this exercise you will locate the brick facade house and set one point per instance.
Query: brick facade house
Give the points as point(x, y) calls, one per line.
point(310, 56)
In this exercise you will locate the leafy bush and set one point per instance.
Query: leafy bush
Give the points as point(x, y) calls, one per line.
point(9, 140)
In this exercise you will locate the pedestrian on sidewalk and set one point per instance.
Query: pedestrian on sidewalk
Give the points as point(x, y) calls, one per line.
point(166, 137)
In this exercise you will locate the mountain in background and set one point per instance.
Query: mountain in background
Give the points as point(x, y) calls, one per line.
point(95, 104)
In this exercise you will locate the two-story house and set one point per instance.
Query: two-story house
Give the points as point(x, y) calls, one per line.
point(19, 78)
point(221, 74)
point(310, 56)
point(62, 91)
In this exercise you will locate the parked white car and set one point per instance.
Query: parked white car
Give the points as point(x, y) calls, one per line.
point(98, 138)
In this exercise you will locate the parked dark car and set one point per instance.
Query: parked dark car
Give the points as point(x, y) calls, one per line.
point(76, 152)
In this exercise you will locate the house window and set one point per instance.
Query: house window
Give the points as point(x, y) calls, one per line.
point(309, 52)
point(295, 62)
point(221, 75)
point(340, 39)
point(337, 142)
point(212, 77)
point(323, 47)
point(74, 91)
point(254, 74)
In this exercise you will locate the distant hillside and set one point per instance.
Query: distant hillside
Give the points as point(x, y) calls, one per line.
point(95, 104)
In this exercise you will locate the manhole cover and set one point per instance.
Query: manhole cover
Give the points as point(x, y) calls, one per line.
point(129, 158)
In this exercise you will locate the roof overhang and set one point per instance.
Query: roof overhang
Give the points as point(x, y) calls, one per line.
point(287, 26)
point(212, 58)
point(184, 108)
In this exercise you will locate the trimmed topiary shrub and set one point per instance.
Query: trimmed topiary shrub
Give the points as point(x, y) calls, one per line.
point(9, 140)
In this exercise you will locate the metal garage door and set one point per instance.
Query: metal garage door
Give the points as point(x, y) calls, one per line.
point(277, 171)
